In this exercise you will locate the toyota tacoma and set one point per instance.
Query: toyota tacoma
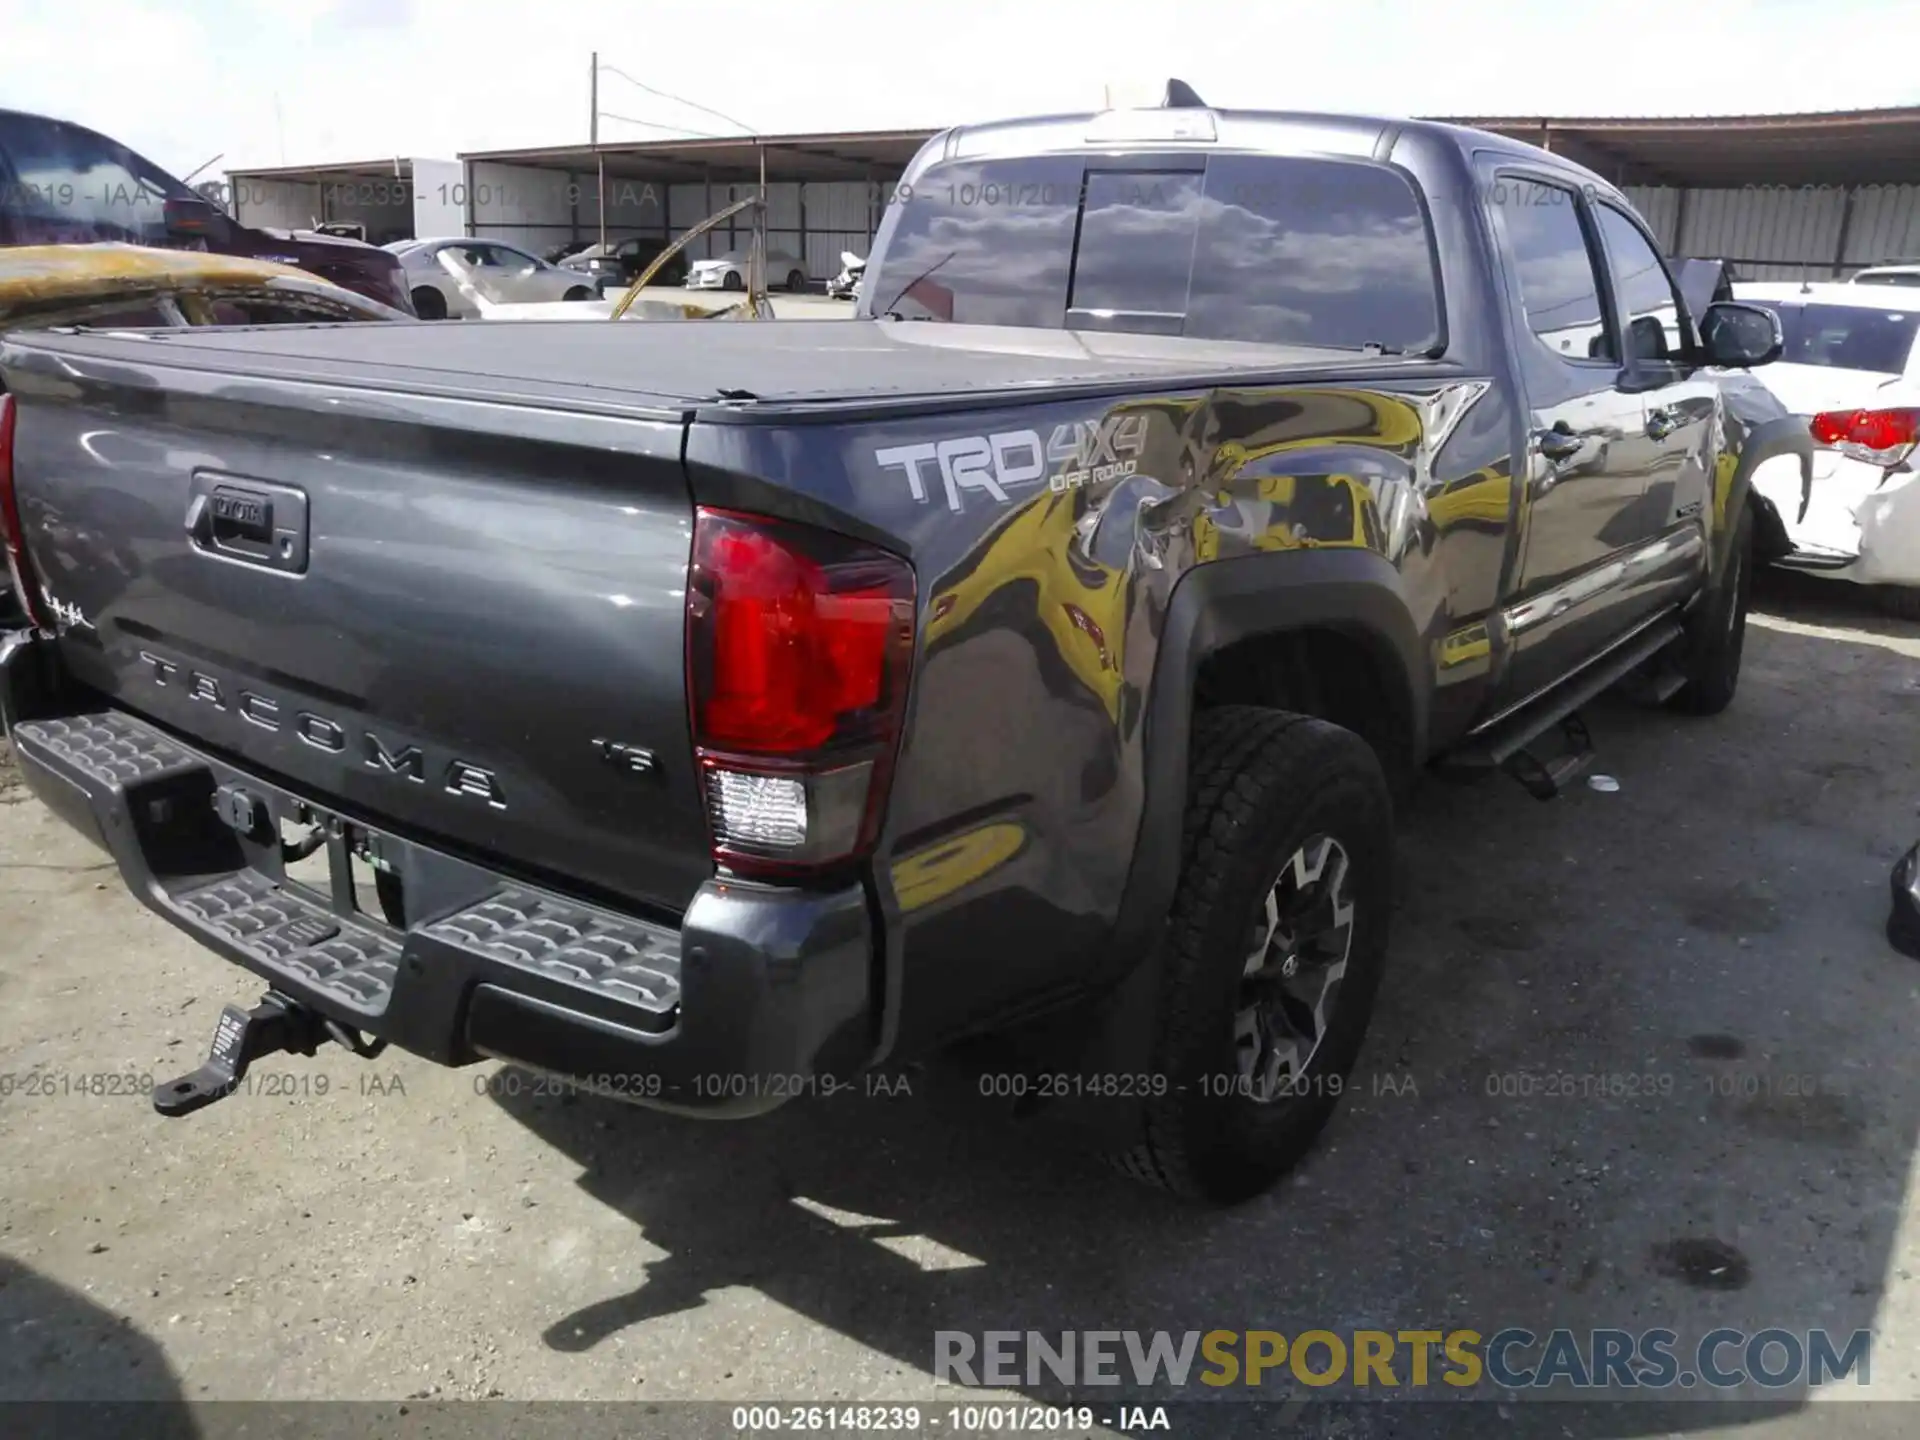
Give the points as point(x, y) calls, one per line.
point(707, 711)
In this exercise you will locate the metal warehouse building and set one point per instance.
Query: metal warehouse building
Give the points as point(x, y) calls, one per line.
point(394, 199)
point(825, 193)
point(1782, 195)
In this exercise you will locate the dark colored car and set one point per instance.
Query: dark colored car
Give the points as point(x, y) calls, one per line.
point(61, 183)
point(618, 262)
point(727, 711)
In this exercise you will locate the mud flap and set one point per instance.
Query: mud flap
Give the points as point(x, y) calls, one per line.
point(1903, 925)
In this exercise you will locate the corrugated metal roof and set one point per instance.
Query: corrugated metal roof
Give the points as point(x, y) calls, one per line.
point(840, 155)
point(1834, 147)
point(400, 168)
point(1824, 148)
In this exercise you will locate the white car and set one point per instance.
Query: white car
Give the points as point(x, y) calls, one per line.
point(501, 271)
point(1888, 275)
point(729, 271)
point(1851, 366)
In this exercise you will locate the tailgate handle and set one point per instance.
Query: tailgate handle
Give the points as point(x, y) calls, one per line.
point(255, 522)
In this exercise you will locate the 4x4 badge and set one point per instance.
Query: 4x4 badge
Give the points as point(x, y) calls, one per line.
point(1085, 452)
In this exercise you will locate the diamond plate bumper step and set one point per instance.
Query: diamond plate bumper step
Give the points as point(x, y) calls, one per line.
point(344, 964)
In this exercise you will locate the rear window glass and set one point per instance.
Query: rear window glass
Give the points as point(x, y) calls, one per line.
point(1136, 249)
point(1290, 251)
point(70, 185)
point(1846, 337)
point(982, 244)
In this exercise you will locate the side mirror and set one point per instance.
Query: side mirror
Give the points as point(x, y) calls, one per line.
point(1740, 336)
point(1646, 338)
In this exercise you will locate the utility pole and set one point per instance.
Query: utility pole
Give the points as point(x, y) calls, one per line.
point(760, 222)
point(599, 160)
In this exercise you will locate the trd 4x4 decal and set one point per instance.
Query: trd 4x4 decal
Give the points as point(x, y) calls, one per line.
point(1084, 452)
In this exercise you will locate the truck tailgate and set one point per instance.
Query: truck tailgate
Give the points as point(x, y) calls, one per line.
point(457, 618)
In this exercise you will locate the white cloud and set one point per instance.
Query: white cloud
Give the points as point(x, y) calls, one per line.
point(360, 79)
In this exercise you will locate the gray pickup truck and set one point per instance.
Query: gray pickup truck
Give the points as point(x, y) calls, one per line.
point(715, 713)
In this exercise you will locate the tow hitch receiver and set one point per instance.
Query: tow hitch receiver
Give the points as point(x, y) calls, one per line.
point(241, 1037)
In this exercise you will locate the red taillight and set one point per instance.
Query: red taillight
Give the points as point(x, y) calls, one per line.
point(1880, 437)
point(1830, 427)
point(798, 648)
point(12, 534)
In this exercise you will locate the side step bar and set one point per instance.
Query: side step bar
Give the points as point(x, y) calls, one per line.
point(1506, 744)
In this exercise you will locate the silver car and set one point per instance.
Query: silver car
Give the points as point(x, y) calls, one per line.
point(501, 271)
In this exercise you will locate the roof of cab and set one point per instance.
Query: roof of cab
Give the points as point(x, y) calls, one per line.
point(1281, 132)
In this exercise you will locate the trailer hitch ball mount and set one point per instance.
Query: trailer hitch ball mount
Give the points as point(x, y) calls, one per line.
point(278, 1024)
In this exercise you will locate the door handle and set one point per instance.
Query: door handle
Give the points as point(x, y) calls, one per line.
point(255, 522)
point(1661, 424)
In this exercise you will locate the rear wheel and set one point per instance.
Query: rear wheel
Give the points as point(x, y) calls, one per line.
point(429, 303)
point(1717, 631)
point(1273, 951)
point(578, 292)
point(796, 280)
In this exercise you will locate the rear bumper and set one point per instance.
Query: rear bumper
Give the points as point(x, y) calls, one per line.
point(1860, 523)
point(757, 996)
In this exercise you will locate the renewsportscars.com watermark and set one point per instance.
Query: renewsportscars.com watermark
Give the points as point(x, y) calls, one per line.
point(1373, 1360)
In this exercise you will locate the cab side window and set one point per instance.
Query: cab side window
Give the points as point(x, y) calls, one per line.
point(1559, 286)
point(1658, 327)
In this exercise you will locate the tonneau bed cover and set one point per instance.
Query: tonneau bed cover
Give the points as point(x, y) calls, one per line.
point(675, 366)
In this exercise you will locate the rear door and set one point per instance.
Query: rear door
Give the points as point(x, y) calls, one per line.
point(1680, 406)
point(505, 273)
point(1588, 459)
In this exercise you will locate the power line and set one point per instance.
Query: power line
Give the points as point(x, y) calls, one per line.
point(656, 125)
point(679, 100)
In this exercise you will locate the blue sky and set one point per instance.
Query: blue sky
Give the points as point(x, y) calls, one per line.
point(267, 80)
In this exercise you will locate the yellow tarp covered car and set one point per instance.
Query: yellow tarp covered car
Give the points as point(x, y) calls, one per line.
point(46, 285)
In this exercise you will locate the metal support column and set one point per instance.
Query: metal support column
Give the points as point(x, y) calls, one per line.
point(599, 160)
point(1846, 229)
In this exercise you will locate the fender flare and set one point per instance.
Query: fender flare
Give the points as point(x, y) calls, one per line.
point(1769, 440)
point(1357, 592)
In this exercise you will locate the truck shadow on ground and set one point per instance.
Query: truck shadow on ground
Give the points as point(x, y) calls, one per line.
point(50, 1334)
point(1643, 1059)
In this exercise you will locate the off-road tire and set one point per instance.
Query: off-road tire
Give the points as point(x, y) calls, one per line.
point(1717, 632)
point(1900, 601)
point(1260, 783)
point(429, 303)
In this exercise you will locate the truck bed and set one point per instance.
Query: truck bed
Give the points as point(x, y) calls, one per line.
point(674, 367)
